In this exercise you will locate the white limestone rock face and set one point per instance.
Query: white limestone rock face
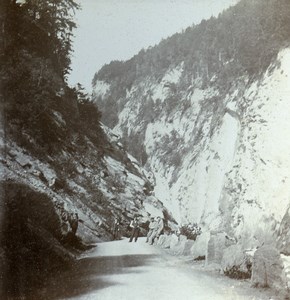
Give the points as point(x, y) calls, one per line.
point(219, 154)
point(257, 186)
point(221, 160)
point(268, 270)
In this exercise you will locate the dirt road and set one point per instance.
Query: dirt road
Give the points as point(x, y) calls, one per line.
point(123, 271)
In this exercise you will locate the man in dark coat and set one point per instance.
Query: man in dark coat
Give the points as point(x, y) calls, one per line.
point(116, 229)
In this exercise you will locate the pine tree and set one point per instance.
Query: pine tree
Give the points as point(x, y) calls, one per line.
point(35, 59)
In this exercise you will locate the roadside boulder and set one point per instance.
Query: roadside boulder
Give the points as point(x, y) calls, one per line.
point(173, 241)
point(286, 264)
point(166, 244)
point(178, 248)
point(161, 240)
point(187, 247)
point(283, 242)
point(199, 247)
point(237, 263)
point(217, 244)
point(268, 270)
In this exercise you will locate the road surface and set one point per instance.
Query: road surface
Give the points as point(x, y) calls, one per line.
point(121, 270)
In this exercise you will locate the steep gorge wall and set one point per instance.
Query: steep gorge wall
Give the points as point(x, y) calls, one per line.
point(205, 112)
point(257, 183)
point(217, 159)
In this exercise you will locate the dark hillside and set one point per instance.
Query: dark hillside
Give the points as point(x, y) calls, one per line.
point(40, 115)
point(35, 59)
point(59, 166)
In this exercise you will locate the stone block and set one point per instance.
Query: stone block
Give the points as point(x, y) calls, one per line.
point(236, 263)
point(217, 244)
point(199, 247)
point(268, 269)
point(167, 242)
point(187, 247)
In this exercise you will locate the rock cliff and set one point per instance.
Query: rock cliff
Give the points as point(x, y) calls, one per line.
point(212, 123)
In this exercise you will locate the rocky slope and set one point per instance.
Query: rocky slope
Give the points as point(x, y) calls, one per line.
point(64, 177)
point(41, 195)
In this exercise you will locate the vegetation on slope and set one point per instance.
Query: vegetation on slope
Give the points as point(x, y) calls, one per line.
point(243, 40)
point(49, 124)
point(56, 158)
point(35, 59)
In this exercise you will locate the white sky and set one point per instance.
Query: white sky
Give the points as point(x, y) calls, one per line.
point(118, 29)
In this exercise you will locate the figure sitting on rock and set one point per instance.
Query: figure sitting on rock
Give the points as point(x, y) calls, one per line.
point(135, 229)
point(152, 225)
point(156, 231)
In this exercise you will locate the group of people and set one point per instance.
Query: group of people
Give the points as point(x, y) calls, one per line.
point(134, 226)
point(156, 226)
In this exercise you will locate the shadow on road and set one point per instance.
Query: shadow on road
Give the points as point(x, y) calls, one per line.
point(88, 275)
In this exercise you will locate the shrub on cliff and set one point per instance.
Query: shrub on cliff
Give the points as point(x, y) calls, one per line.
point(190, 231)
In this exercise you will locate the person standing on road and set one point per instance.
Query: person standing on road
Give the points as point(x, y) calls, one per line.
point(135, 229)
point(116, 229)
